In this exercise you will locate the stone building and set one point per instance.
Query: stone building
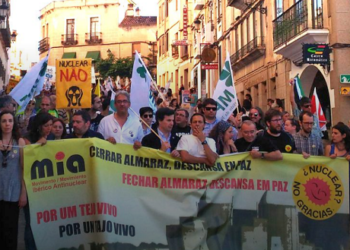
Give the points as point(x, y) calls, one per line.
point(93, 28)
point(5, 43)
point(264, 39)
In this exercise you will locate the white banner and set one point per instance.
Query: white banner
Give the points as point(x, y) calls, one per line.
point(225, 92)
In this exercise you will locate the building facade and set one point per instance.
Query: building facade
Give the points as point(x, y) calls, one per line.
point(264, 40)
point(93, 28)
point(5, 43)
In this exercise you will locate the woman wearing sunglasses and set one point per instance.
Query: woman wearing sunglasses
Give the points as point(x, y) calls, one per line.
point(340, 146)
point(12, 188)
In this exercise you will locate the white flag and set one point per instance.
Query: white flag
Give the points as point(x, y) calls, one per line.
point(225, 92)
point(140, 87)
point(31, 85)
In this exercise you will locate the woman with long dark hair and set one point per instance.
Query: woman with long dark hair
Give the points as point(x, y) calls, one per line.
point(222, 134)
point(340, 146)
point(12, 188)
point(39, 133)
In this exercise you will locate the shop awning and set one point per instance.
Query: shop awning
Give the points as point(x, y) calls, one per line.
point(94, 55)
point(69, 55)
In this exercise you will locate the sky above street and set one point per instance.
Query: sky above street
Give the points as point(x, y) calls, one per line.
point(25, 20)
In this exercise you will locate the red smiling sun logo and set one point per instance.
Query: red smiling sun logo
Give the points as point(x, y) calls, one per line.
point(59, 156)
point(317, 191)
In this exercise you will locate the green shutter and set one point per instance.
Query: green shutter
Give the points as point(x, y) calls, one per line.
point(94, 55)
point(69, 55)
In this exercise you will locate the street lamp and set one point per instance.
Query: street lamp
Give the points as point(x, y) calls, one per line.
point(4, 12)
point(259, 8)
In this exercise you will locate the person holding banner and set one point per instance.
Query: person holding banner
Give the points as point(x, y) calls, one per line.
point(222, 134)
point(196, 147)
point(38, 134)
point(306, 142)
point(81, 126)
point(12, 188)
point(164, 122)
point(340, 146)
point(256, 144)
point(121, 127)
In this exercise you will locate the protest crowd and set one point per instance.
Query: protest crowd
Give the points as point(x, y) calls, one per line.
point(189, 131)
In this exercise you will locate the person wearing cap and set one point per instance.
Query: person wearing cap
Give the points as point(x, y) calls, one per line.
point(222, 134)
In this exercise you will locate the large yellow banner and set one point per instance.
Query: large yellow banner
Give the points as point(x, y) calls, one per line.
point(90, 194)
point(73, 83)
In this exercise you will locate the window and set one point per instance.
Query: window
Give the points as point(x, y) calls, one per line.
point(160, 14)
point(219, 6)
point(47, 30)
point(43, 32)
point(70, 30)
point(94, 21)
point(166, 8)
point(279, 7)
point(167, 42)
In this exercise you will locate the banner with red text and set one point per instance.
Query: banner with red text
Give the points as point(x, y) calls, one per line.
point(73, 83)
point(90, 194)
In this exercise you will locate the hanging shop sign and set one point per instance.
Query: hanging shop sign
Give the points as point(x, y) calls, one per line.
point(316, 54)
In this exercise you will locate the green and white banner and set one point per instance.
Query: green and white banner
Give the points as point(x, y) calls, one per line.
point(225, 92)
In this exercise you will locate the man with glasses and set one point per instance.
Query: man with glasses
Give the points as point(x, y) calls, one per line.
point(209, 108)
point(275, 133)
point(305, 105)
point(146, 114)
point(122, 127)
point(256, 144)
point(306, 142)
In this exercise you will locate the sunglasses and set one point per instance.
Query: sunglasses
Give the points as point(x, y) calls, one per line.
point(210, 108)
point(307, 106)
point(147, 116)
point(254, 114)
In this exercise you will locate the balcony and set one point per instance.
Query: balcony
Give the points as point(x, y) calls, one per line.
point(44, 45)
point(5, 30)
point(198, 4)
point(93, 38)
point(248, 53)
point(238, 4)
point(301, 23)
point(69, 39)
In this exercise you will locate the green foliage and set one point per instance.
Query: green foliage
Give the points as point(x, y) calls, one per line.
point(114, 67)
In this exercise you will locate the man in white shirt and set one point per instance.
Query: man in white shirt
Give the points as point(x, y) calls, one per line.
point(196, 148)
point(121, 127)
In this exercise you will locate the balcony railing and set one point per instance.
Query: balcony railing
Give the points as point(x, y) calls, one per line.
point(93, 38)
point(44, 45)
point(257, 44)
point(69, 39)
point(295, 20)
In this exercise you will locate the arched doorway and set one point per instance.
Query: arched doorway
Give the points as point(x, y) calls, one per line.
point(312, 78)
